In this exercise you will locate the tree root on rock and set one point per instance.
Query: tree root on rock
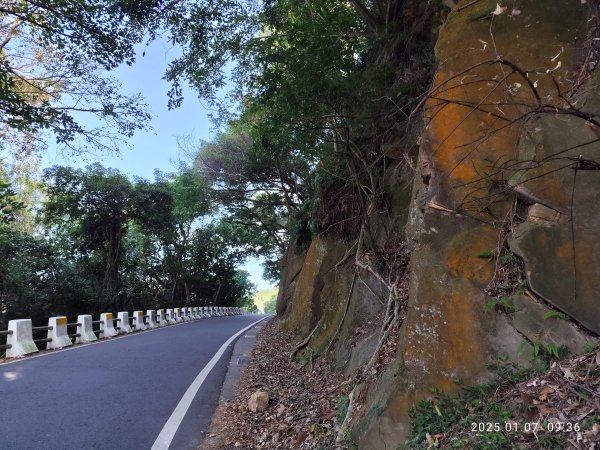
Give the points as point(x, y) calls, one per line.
point(305, 342)
point(339, 328)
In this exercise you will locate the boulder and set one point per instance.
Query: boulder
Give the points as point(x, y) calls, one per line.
point(258, 402)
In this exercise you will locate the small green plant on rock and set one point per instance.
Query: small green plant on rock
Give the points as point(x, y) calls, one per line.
point(590, 346)
point(342, 404)
point(453, 416)
point(504, 303)
point(555, 315)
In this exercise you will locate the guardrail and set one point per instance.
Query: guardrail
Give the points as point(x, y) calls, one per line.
point(20, 342)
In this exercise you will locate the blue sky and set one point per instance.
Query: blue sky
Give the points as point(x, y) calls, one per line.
point(158, 148)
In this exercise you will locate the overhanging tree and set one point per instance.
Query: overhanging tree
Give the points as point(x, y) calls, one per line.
point(53, 58)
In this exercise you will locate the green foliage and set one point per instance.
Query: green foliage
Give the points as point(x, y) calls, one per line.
point(342, 404)
point(453, 415)
point(54, 55)
point(556, 351)
point(487, 254)
point(504, 303)
point(591, 346)
point(269, 306)
point(262, 296)
point(555, 315)
point(112, 243)
point(9, 203)
point(316, 83)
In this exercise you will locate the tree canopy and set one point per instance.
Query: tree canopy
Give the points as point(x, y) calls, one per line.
point(309, 97)
point(53, 61)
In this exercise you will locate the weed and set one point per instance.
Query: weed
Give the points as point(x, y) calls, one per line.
point(453, 416)
point(589, 422)
point(590, 346)
point(504, 303)
point(554, 315)
point(487, 254)
point(307, 357)
point(548, 352)
point(551, 442)
point(555, 351)
point(342, 404)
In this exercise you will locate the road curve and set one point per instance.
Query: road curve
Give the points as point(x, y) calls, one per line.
point(118, 393)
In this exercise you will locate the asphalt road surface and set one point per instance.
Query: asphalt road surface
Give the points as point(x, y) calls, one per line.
point(120, 393)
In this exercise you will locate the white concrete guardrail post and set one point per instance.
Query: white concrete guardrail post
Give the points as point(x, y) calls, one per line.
point(169, 317)
point(151, 319)
point(188, 313)
point(196, 313)
point(202, 312)
point(20, 338)
point(160, 317)
point(124, 322)
point(138, 320)
point(85, 330)
point(58, 333)
point(184, 316)
point(193, 314)
point(108, 325)
point(177, 313)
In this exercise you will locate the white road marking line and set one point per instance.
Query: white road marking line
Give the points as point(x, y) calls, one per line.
point(164, 439)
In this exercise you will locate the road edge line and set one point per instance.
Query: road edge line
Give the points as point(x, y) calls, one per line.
point(166, 435)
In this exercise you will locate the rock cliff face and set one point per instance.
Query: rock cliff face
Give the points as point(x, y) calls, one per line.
point(501, 219)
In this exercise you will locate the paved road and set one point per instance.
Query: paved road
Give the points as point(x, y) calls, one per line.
point(116, 394)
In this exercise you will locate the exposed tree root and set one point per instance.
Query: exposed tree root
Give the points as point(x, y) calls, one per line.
point(339, 328)
point(305, 342)
point(392, 319)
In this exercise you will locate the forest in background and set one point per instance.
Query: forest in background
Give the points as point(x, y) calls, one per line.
point(317, 92)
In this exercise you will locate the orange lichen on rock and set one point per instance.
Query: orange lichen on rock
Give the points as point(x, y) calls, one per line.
point(485, 92)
